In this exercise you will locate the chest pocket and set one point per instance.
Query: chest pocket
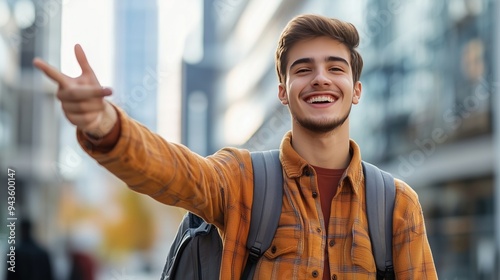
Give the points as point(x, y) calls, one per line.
point(285, 244)
point(287, 238)
point(361, 250)
point(279, 261)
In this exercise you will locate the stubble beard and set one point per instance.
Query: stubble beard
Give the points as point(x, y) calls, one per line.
point(322, 126)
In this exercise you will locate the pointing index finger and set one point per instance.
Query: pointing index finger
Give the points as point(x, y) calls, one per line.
point(51, 72)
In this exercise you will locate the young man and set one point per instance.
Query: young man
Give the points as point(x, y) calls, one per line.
point(323, 230)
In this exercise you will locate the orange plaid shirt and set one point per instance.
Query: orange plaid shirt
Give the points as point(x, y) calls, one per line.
point(219, 189)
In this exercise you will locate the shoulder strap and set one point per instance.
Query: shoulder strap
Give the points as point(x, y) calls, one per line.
point(380, 196)
point(266, 206)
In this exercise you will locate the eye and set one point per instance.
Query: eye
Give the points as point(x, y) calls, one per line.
point(302, 70)
point(336, 69)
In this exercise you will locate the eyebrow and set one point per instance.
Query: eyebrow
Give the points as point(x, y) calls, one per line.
point(311, 60)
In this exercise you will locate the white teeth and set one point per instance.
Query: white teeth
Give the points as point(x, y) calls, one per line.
point(322, 98)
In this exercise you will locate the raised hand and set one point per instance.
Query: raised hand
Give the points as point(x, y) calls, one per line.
point(82, 98)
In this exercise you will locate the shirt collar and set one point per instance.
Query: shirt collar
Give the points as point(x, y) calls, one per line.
point(295, 166)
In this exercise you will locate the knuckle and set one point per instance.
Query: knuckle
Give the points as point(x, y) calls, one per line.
point(66, 94)
point(71, 93)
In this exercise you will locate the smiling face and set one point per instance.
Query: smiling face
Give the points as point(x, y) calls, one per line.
point(319, 88)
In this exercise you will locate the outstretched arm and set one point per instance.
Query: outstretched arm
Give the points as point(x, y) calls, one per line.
point(82, 98)
point(147, 163)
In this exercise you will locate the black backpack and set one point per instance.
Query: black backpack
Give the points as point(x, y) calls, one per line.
point(196, 251)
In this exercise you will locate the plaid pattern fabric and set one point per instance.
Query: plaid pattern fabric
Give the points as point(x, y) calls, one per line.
point(219, 189)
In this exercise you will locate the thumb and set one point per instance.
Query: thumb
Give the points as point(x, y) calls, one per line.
point(106, 91)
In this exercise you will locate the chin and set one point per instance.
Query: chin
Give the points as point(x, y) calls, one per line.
point(323, 125)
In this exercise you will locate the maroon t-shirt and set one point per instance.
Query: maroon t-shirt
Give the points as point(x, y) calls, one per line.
point(328, 182)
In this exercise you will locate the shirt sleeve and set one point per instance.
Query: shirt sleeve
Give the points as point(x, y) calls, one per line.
point(412, 255)
point(171, 173)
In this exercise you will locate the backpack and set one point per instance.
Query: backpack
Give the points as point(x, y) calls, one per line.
point(196, 251)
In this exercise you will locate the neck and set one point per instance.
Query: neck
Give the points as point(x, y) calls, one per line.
point(328, 150)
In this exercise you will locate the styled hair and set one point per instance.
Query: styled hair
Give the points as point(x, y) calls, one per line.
point(311, 26)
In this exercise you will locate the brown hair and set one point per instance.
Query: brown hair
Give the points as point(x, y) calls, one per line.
point(312, 26)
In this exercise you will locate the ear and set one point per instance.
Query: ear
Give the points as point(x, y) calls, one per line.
point(357, 92)
point(282, 95)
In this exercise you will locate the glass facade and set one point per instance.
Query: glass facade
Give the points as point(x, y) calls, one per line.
point(428, 73)
point(460, 225)
point(136, 59)
point(428, 86)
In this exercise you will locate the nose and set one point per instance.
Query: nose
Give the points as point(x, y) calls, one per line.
point(321, 79)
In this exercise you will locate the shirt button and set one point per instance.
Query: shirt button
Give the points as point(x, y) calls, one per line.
point(315, 194)
point(318, 230)
point(315, 274)
point(334, 277)
point(273, 249)
point(332, 243)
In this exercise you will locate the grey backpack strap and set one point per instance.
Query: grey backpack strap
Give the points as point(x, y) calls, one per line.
point(380, 196)
point(266, 206)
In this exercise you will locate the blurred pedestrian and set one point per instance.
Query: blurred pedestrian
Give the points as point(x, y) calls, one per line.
point(32, 260)
point(83, 266)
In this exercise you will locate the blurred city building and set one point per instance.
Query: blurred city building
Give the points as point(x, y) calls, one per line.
point(200, 72)
point(136, 59)
point(29, 122)
point(77, 208)
point(428, 117)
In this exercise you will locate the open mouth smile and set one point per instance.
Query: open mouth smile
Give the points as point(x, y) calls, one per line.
point(321, 99)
